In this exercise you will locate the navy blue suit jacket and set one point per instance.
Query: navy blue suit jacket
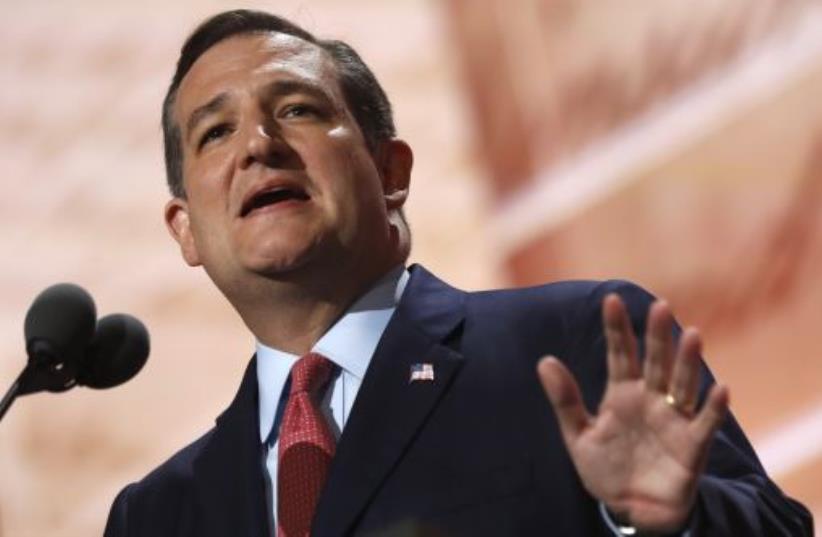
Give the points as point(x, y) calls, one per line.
point(476, 452)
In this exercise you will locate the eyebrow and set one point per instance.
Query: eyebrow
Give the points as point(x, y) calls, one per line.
point(280, 88)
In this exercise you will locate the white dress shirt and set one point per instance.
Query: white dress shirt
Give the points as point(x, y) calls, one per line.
point(349, 343)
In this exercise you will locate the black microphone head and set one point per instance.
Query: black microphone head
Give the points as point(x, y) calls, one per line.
point(60, 324)
point(118, 351)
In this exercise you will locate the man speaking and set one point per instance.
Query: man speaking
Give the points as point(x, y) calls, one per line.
point(382, 401)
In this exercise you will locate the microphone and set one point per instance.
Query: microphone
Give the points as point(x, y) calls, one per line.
point(58, 327)
point(118, 351)
point(66, 346)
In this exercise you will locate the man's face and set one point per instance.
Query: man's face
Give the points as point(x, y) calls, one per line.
point(276, 171)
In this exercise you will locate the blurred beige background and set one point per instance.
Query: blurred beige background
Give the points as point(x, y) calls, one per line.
point(678, 144)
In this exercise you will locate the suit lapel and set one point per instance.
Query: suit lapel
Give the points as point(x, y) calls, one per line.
point(389, 409)
point(229, 481)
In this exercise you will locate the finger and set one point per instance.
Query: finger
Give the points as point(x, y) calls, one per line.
point(685, 378)
point(620, 340)
point(712, 414)
point(563, 392)
point(658, 347)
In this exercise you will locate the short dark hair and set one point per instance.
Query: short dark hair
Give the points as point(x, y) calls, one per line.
point(364, 96)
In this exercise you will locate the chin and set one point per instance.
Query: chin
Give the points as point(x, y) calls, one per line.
point(278, 266)
point(288, 263)
point(277, 253)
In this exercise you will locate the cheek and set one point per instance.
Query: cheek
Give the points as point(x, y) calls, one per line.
point(204, 233)
point(340, 132)
point(349, 166)
point(355, 187)
point(211, 164)
point(341, 167)
point(210, 216)
point(208, 181)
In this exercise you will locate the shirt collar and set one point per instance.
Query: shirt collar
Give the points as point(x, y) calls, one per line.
point(349, 343)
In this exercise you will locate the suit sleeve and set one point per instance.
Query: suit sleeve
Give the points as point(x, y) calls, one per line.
point(735, 496)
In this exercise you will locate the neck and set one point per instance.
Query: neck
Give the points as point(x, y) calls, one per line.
point(292, 313)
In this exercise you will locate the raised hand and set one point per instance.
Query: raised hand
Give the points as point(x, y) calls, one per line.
point(643, 452)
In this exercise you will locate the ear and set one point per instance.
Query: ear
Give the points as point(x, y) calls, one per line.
point(396, 162)
point(179, 226)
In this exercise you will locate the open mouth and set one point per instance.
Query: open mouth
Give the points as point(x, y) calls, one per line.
point(273, 196)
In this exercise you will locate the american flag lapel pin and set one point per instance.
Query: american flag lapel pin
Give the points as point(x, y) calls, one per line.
point(421, 372)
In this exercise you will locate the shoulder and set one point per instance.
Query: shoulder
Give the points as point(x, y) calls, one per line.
point(177, 470)
point(507, 331)
point(573, 300)
point(164, 495)
point(563, 319)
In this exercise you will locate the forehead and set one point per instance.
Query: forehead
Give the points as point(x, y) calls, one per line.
point(249, 58)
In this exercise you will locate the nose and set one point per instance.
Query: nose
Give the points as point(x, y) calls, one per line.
point(265, 145)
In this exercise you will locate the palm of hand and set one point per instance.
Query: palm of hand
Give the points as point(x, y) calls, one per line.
point(640, 455)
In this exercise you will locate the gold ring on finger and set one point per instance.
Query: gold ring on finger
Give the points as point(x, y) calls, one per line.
point(676, 405)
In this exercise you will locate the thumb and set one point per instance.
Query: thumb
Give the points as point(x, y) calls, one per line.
point(563, 392)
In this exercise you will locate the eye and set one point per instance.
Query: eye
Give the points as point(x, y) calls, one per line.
point(214, 133)
point(298, 110)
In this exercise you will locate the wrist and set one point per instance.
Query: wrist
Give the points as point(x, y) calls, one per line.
point(620, 526)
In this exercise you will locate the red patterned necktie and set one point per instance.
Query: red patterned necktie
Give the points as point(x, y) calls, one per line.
point(306, 446)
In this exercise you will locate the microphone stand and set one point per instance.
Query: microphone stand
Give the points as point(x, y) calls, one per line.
point(40, 373)
point(13, 392)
